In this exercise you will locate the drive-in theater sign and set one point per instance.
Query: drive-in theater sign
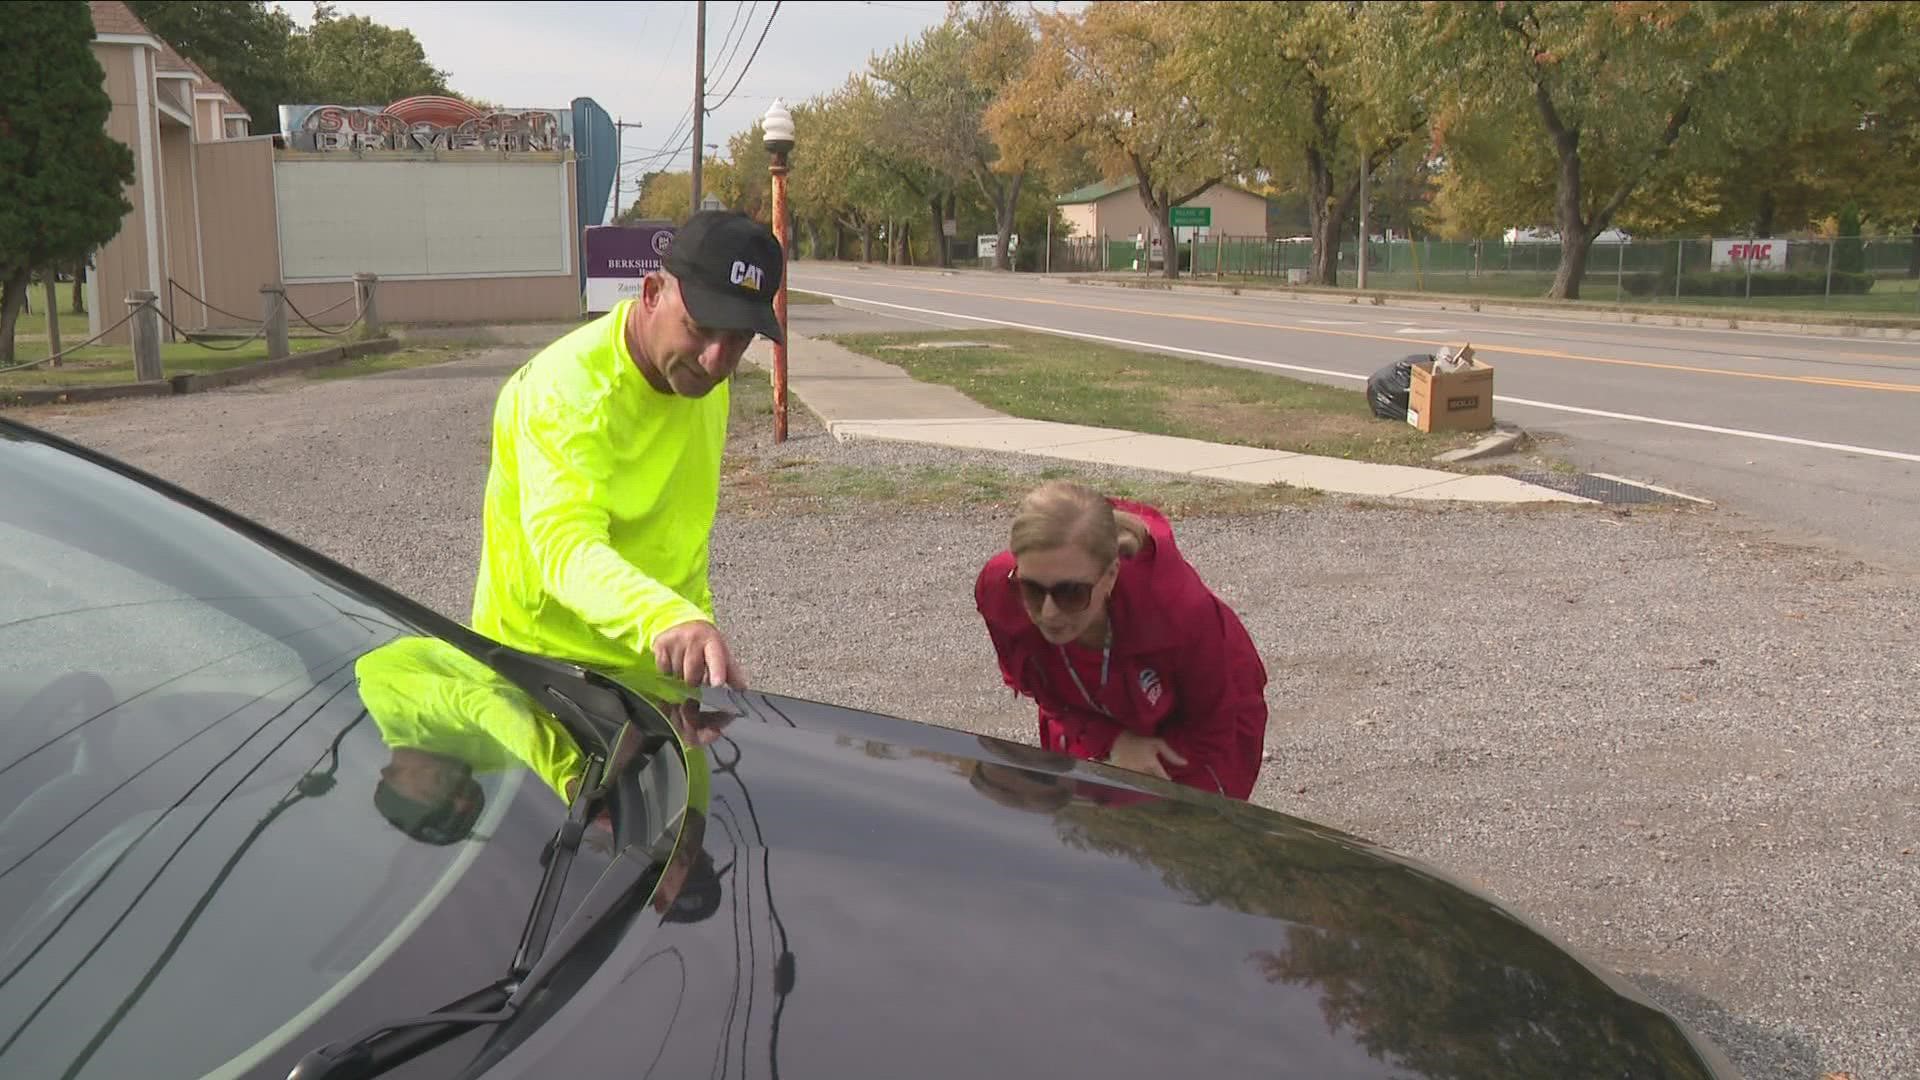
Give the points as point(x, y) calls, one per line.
point(424, 124)
point(465, 214)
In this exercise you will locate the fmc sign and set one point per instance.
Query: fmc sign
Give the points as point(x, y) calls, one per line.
point(1739, 254)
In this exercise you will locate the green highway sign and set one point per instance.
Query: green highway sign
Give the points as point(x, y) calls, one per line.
point(1201, 216)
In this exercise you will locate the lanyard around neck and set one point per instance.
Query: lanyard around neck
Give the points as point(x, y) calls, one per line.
point(1106, 657)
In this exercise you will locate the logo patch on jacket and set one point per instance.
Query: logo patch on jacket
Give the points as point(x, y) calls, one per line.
point(1150, 685)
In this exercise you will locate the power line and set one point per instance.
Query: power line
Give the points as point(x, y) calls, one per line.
point(679, 128)
point(729, 39)
point(750, 58)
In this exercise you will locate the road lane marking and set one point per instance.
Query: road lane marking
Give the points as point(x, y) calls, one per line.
point(1552, 315)
point(1894, 455)
point(1509, 350)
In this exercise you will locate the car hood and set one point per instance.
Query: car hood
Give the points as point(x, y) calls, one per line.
point(873, 897)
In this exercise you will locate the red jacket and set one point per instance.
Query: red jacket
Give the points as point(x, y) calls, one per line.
point(1183, 668)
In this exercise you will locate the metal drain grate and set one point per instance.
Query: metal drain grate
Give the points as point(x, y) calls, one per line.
point(1598, 488)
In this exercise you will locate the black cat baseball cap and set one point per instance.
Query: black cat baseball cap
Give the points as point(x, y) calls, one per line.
point(729, 267)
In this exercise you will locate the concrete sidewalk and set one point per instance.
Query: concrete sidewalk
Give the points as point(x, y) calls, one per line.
point(860, 398)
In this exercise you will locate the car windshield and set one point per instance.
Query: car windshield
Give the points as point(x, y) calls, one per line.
point(235, 794)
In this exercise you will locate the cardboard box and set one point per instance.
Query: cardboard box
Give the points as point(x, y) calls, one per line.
point(1457, 401)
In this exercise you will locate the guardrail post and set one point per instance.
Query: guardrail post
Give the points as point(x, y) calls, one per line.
point(146, 335)
point(364, 288)
point(273, 303)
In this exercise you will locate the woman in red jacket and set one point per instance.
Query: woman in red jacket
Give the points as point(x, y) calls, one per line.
point(1130, 657)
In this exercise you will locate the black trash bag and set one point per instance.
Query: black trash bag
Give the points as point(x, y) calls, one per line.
point(1387, 388)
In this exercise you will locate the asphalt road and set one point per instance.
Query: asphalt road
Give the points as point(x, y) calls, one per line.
point(1814, 437)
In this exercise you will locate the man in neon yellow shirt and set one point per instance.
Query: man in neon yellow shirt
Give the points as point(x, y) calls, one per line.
point(606, 466)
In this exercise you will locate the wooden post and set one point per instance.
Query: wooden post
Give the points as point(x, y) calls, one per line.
point(146, 336)
point(53, 317)
point(364, 287)
point(273, 307)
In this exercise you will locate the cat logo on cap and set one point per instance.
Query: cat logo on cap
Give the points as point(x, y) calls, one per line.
point(747, 277)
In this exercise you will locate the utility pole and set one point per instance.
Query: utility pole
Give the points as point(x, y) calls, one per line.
point(619, 162)
point(699, 95)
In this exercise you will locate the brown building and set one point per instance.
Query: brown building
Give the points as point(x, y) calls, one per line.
point(1113, 209)
point(464, 217)
point(165, 110)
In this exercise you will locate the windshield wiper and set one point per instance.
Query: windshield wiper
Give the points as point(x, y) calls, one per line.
point(393, 1043)
point(600, 716)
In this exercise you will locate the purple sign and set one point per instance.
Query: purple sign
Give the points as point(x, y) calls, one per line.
point(617, 257)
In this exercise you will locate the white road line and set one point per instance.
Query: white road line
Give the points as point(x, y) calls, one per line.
point(1551, 315)
point(1763, 436)
point(1845, 448)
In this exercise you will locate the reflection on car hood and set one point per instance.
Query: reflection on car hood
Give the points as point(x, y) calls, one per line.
point(880, 898)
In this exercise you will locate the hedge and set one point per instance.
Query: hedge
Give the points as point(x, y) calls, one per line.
point(1733, 283)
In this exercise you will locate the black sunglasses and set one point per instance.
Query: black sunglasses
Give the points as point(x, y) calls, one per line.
point(1068, 596)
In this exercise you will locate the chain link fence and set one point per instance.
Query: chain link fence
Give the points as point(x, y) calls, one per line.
point(1873, 274)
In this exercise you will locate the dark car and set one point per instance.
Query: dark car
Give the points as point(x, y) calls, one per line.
point(261, 817)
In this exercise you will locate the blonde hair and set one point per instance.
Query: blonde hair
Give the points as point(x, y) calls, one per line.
point(1060, 513)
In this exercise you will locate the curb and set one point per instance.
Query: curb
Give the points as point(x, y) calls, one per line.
point(1504, 438)
point(198, 383)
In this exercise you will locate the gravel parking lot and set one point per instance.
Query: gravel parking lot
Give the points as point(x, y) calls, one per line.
point(1686, 750)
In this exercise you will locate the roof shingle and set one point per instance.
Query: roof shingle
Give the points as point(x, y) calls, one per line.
point(170, 60)
point(115, 17)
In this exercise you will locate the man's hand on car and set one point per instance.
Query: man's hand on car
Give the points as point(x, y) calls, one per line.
point(696, 653)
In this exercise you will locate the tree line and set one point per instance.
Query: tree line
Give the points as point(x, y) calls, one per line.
point(265, 60)
point(1670, 117)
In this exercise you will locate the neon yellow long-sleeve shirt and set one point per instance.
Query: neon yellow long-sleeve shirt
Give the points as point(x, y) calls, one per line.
point(424, 694)
point(599, 503)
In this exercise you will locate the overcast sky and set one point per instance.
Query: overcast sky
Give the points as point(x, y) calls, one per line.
point(636, 59)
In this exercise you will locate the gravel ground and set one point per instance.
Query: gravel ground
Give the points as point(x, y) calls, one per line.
point(1686, 750)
